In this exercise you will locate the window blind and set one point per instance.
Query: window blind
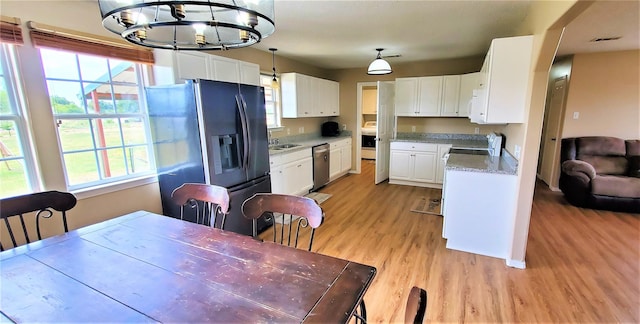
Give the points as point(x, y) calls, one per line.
point(82, 44)
point(10, 31)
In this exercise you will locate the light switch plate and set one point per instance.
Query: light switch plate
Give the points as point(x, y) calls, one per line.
point(576, 115)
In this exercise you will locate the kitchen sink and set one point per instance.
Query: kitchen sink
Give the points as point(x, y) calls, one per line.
point(283, 146)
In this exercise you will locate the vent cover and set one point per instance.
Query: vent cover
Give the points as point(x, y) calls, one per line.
point(605, 39)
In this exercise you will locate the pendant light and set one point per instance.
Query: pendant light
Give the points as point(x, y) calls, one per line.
point(189, 25)
point(379, 65)
point(274, 82)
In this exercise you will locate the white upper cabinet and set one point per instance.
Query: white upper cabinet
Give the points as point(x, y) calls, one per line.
point(468, 83)
point(176, 66)
point(429, 96)
point(192, 66)
point(249, 73)
point(406, 97)
point(418, 97)
point(307, 96)
point(450, 95)
point(504, 79)
point(224, 69)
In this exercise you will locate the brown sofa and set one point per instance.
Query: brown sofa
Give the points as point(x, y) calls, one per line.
point(601, 172)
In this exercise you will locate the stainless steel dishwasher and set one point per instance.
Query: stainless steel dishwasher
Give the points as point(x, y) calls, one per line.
point(320, 166)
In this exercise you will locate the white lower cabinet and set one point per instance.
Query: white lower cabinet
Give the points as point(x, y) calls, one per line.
point(339, 158)
point(292, 173)
point(478, 211)
point(417, 164)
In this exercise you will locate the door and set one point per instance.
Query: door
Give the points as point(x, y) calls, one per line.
point(235, 220)
point(424, 166)
point(450, 95)
point(252, 98)
point(429, 95)
point(549, 166)
point(400, 167)
point(384, 121)
point(406, 96)
point(176, 140)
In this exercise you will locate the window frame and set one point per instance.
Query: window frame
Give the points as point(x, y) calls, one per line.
point(15, 94)
point(103, 181)
point(277, 102)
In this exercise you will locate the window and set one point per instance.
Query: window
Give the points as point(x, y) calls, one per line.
point(102, 122)
point(272, 101)
point(17, 172)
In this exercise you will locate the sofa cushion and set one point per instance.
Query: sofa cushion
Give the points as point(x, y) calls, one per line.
point(633, 147)
point(601, 145)
point(634, 166)
point(616, 186)
point(574, 166)
point(606, 164)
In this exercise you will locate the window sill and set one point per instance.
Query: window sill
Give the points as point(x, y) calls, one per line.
point(115, 186)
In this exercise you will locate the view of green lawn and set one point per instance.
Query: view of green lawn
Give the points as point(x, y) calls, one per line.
point(83, 166)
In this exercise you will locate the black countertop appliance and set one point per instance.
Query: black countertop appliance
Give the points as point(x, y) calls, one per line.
point(330, 129)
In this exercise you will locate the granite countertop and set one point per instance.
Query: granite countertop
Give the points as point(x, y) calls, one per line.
point(504, 164)
point(306, 142)
point(456, 140)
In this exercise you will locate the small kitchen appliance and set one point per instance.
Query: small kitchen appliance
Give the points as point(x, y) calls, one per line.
point(330, 129)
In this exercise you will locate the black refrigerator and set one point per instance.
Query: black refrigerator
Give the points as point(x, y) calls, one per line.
point(211, 132)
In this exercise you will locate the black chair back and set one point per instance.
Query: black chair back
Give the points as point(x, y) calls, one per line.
point(43, 204)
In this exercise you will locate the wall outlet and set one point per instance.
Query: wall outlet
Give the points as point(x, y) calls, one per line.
point(516, 152)
point(477, 130)
point(288, 131)
point(344, 126)
point(576, 115)
point(301, 130)
point(413, 129)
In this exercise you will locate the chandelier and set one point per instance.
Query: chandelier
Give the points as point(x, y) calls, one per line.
point(189, 24)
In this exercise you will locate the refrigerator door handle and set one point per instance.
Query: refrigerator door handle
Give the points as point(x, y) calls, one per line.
point(246, 126)
point(245, 134)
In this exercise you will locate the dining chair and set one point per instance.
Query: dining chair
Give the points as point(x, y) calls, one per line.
point(416, 306)
point(41, 205)
point(290, 215)
point(207, 201)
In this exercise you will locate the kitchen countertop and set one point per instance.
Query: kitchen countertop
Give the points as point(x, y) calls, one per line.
point(456, 140)
point(306, 143)
point(504, 164)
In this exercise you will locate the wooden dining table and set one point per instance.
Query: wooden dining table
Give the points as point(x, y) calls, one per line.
point(145, 267)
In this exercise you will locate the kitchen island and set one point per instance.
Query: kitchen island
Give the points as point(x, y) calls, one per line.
point(478, 203)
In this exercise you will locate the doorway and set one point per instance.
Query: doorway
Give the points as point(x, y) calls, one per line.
point(549, 168)
point(363, 114)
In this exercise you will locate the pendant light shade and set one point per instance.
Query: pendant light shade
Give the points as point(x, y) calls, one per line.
point(274, 81)
point(189, 25)
point(379, 65)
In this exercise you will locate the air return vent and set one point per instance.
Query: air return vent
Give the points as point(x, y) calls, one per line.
point(605, 39)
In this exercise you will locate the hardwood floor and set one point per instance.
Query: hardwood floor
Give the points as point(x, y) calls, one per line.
point(582, 265)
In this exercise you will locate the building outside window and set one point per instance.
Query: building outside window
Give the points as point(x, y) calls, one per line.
point(101, 118)
point(272, 101)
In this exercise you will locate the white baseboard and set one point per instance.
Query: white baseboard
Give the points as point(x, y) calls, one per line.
point(516, 264)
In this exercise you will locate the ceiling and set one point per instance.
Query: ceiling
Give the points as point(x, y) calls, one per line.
point(336, 34)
